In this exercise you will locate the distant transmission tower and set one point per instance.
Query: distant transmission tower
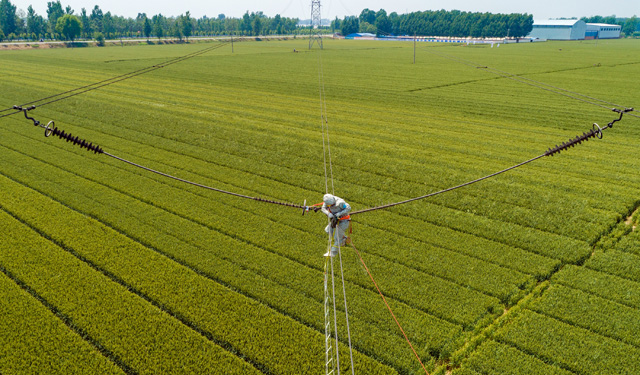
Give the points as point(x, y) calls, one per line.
point(316, 22)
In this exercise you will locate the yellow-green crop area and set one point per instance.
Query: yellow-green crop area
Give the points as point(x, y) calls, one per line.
point(106, 268)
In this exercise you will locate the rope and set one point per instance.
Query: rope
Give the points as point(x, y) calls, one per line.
point(389, 308)
point(110, 81)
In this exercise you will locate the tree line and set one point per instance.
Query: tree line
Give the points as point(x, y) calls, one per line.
point(63, 23)
point(453, 23)
point(630, 26)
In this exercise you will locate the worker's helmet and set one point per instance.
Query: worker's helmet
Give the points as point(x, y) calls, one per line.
point(329, 199)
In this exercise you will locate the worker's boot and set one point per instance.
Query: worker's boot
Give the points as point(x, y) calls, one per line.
point(331, 253)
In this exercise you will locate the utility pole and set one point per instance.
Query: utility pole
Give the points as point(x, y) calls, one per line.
point(414, 47)
point(316, 22)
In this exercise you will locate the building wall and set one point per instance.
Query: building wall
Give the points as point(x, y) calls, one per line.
point(550, 32)
point(578, 31)
point(603, 31)
point(555, 31)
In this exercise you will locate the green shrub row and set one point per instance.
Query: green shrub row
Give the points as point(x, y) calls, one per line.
point(630, 243)
point(572, 348)
point(497, 358)
point(24, 324)
point(138, 334)
point(591, 312)
point(617, 263)
point(604, 285)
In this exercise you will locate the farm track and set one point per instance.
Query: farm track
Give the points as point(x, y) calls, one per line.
point(216, 127)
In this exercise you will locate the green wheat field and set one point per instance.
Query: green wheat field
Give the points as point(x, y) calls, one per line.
point(106, 268)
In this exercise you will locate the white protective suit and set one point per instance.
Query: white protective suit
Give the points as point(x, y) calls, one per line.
point(336, 207)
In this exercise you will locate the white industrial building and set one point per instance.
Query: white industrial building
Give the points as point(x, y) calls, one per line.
point(558, 29)
point(602, 31)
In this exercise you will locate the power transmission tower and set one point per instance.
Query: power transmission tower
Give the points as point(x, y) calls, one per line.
point(316, 22)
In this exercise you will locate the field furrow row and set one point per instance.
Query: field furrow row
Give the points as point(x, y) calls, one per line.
point(214, 315)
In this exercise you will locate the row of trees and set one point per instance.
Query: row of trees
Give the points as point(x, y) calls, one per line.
point(437, 23)
point(16, 24)
point(630, 26)
point(62, 22)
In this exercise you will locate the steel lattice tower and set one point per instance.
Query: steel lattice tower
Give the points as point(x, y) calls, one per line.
point(316, 22)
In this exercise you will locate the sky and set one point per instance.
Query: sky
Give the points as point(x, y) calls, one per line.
point(541, 9)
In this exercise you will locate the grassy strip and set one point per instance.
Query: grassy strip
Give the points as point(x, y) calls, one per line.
point(465, 371)
point(224, 315)
point(499, 359)
point(617, 263)
point(630, 243)
point(572, 348)
point(35, 340)
point(122, 323)
point(596, 314)
point(604, 285)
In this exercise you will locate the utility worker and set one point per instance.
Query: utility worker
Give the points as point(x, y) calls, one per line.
point(337, 210)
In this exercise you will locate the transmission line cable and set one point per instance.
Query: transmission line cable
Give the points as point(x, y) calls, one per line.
point(83, 89)
point(596, 131)
point(389, 308)
point(528, 81)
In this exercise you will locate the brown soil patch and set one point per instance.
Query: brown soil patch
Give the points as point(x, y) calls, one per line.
point(629, 220)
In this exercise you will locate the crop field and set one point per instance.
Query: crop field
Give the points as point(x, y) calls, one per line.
point(107, 268)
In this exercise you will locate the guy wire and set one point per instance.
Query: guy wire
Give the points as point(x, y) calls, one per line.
point(110, 81)
point(532, 82)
